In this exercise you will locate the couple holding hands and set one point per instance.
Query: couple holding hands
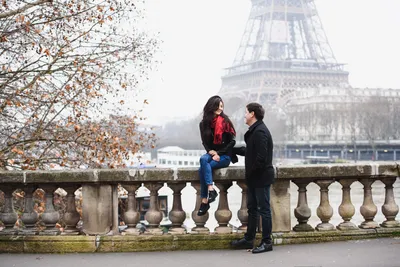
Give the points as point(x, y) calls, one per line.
point(218, 137)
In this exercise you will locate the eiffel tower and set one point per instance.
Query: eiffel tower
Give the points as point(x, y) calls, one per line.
point(284, 48)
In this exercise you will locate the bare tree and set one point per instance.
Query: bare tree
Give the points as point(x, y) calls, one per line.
point(376, 118)
point(64, 64)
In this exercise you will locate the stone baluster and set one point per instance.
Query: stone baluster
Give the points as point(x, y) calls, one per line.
point(368, 209)
point(346, 208)
point(324, 210)
point(9, 217)
point(131, 215)
point(243, 216)
point(154, 215)
point(280, 206)
point(50, 216)
point(302, 212)
point(29, 217)
point(390, 209)
point(71, 216)
point(177, 215)
point(200, 221)
point(223, 215)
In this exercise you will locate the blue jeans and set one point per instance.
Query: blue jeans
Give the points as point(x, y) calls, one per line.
point(207, 165)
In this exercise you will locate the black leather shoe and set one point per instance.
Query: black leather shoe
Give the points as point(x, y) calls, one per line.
point(263, 247)
point(212, 195)
point(242, 244)
point(203, 209)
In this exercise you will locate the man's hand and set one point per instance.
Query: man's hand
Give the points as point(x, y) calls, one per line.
point(212, 152)
point(216, 157)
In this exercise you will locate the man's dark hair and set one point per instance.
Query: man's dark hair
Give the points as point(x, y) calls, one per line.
point(257, 109)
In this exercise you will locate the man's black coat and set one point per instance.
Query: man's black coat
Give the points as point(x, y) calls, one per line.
point(258, 155)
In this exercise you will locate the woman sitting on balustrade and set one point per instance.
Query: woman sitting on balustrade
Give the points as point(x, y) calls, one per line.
point(218, 138)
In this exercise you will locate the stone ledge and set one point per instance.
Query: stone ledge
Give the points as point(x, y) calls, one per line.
point(47, 244)
point(232, 173)
point(84, 244)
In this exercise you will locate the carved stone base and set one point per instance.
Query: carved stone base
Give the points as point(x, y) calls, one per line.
point(10, 231)
point(325, 227)
point(390, 224)
point(70, 232)
point(368, 225)
point(242, 229)
point(153, 231)
point(50, 232)
point(303, 227)
point(200, 230)
point(347, 226)
point(29, 231)
point(177, 231)
point(223, 230)
point(131, 231)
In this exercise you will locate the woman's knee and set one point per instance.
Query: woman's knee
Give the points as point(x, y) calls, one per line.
point(205, 158)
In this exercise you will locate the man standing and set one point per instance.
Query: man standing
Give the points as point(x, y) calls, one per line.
point(259, 177)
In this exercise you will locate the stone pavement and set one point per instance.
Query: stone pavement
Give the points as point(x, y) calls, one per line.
point(382, 252)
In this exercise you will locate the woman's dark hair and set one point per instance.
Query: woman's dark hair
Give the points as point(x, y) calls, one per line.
point(257, 109)
point(208, 115)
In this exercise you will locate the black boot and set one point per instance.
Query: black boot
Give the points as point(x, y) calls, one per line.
point(242, 244)
point(212, 195)
point(203, 209)
point(263, 247)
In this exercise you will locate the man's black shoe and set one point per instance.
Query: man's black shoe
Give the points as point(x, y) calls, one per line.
point(203, 209)
point(212, 195)
point(263, 247)
point(242, 244)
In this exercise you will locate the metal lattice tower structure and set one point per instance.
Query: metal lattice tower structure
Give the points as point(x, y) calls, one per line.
point(284, 47)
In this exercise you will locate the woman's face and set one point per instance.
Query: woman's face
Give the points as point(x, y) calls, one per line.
point(220, 108)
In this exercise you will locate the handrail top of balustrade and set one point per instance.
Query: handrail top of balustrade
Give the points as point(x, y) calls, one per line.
point(232, 173)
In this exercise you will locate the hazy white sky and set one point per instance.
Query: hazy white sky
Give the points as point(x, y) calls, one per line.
point(200, 38)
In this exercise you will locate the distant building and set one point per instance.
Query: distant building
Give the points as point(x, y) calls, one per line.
point(176, 157)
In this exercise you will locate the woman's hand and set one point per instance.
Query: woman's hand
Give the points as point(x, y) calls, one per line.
point(216, 157)
point(212, 152)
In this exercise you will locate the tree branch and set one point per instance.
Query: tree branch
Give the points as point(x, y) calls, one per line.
point(24, 8)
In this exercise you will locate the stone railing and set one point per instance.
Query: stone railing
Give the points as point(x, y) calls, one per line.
point(100, 200)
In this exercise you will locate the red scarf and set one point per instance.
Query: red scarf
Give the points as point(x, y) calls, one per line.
point(221, 126)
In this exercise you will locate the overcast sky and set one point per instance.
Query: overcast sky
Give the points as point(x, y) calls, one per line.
point(200, 38)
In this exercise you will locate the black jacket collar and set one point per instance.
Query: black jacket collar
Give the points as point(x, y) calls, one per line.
point(251, 128)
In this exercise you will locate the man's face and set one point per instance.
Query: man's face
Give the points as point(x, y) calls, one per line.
point(248, 117)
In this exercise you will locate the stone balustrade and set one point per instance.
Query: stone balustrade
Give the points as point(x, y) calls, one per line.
point(100, 200)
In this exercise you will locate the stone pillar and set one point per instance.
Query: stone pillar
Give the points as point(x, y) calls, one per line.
point(177, 216)
point(97, 209)
point(9, 217)
point(243, 216)
point(29, 217)
point(324, 210)
point(368, 209)
point(114, 210)
point(71, 216)
point(131, 215)
point(200, 221)
point(280, 206)
point(223, 215)
point(154, 215)
point(50, 216)
point(302, 212)
point(346, 208)
point(390, 209)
